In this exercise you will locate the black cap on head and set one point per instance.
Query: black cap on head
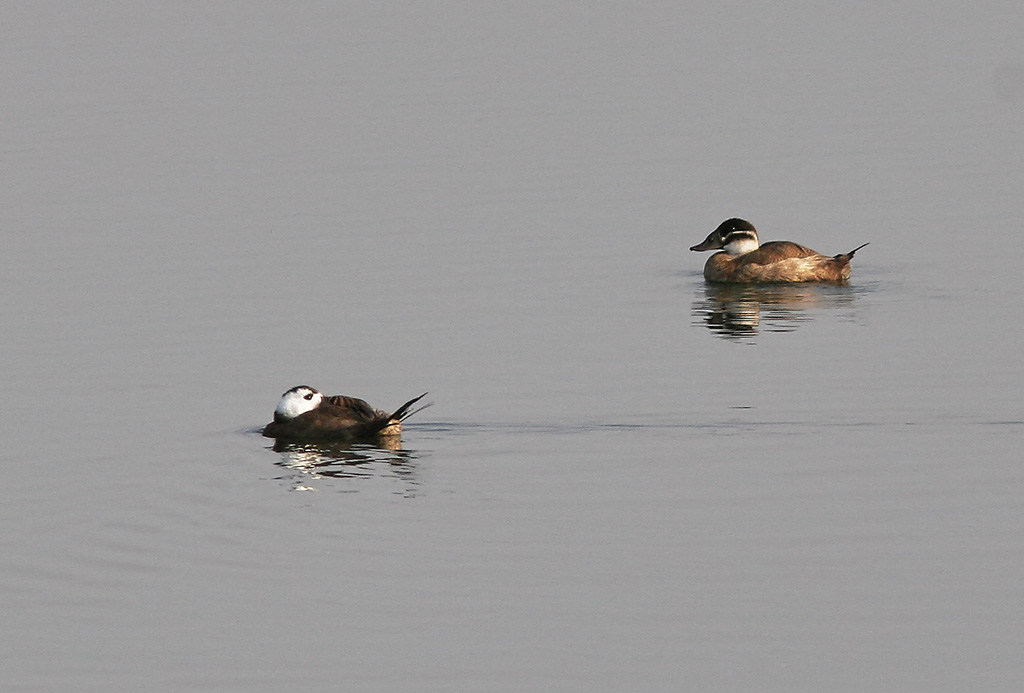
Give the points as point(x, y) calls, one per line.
point(735, 224)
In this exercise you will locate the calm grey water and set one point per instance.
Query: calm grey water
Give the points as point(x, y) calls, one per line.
point(629, 480)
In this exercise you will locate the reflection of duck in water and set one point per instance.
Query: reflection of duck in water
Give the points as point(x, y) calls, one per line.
point(742, 310)
point(745, 260)
point(308, 466)
point(306, 414)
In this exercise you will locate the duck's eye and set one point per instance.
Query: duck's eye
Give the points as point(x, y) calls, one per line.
point(308, 396)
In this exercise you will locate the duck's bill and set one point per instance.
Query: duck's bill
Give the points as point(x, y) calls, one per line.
point(710, 243)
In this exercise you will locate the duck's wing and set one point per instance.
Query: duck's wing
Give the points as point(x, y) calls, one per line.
point(775, 251)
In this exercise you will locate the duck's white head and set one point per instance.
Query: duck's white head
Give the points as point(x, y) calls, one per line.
point(298, 401)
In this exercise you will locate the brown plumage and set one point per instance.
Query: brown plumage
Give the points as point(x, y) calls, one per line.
point(306, 414)
point(745, 261)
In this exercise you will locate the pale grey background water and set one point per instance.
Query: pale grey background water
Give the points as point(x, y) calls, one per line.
point(629, 481)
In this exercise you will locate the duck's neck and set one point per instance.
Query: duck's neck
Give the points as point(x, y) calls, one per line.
point(740, 244)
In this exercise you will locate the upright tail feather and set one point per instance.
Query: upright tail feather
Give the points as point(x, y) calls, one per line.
point(403, 412)
point(849, 256)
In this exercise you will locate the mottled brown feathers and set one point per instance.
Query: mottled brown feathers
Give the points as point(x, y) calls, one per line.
point(721, 267)
point(775, 251)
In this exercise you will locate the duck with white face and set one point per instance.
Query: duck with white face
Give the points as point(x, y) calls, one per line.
point(297, 401)
point(305, 414)
point(745, 260)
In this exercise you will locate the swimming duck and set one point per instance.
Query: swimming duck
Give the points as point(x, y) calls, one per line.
point(745, 260)
point(306, 414)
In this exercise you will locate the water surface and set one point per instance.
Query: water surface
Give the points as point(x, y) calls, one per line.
point(630, 479)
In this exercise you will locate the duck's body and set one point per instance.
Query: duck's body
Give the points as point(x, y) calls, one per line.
point(305, 414)
point(744, 260)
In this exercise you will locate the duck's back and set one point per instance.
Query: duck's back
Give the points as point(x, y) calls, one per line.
point(351, 408)
point(777, 261)
point(776, 251)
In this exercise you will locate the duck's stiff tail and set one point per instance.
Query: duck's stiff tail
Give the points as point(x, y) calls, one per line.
point(846, 257)
point(403, 412)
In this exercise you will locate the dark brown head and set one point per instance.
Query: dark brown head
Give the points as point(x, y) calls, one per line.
point(734, 236)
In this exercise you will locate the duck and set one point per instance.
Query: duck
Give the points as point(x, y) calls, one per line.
point(745, 260)
point(305, 414)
